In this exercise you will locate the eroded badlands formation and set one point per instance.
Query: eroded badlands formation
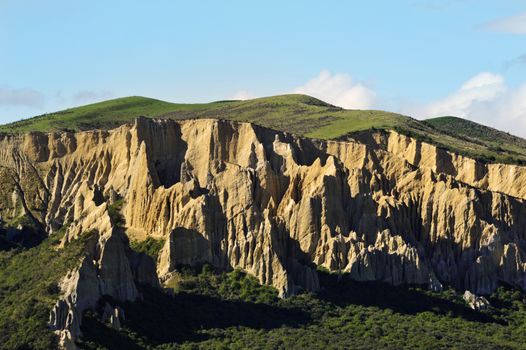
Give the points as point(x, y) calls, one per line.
point(384, 207)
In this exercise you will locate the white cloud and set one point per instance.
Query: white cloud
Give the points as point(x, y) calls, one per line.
point(481, 88)
point(21, 97)
point(86, 96)
point(339, 90)
point(515, 24)
point(242, 95)
point(485, 98)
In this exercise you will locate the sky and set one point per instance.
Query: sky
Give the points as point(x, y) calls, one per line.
point(422, 58)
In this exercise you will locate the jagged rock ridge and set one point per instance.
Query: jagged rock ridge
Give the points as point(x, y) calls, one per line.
point(240, 196)
point(108, 268)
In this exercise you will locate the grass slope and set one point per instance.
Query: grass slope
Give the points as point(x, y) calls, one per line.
point(299, 114)
point(29, 288)
point(480, 138)
point(103, 115)
point(232, 311)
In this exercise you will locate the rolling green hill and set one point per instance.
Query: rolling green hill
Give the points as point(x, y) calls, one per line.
point(498, 143)
point(299, 114)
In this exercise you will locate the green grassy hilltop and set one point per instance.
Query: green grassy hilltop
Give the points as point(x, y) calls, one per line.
point(298, 114)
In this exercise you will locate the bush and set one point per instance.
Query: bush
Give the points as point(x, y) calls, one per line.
point(213, 310)
point(149, 246)
point(114, 211)
point(29, 288)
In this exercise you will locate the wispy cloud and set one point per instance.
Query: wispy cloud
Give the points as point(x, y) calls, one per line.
point(338, 89)
point(21, 97)
point(485, 98)
point(242, 95)
point(520, 60)
point(515, 24)
point(482, 88)
point(86, 96)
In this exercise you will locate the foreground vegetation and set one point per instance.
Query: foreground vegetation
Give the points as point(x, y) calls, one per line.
point(207, 309)
point(298, 114)
point(211, 310)
point(29, 288)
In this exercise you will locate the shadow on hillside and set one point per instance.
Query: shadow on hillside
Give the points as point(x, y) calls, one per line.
point(401, 299)
point(97, 334)
point(162, 318)
point(25, 238)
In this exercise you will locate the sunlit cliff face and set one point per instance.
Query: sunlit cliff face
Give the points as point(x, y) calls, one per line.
point(384, 208)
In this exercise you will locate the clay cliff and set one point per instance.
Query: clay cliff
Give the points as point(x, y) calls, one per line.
point(380, 207)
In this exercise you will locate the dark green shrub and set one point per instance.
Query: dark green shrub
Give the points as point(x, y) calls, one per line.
point(150, 246)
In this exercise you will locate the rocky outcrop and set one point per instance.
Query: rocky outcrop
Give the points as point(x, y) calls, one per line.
point(504, 178)
point(107, 268)
point(475, 302)
point(235, 195)
point(114, 316)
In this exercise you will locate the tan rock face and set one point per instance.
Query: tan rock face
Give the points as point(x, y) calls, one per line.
point(108, 268)
point(505, 178)
point(239, 196)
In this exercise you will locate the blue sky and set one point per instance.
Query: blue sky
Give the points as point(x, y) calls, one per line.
point(418, 57)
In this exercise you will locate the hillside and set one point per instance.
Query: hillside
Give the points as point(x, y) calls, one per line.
point(497, 143)
point(298, 114)
point(211, 310)
point(207, 233)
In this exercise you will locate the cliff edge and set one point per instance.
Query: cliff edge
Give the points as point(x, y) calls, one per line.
point(380, 207)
